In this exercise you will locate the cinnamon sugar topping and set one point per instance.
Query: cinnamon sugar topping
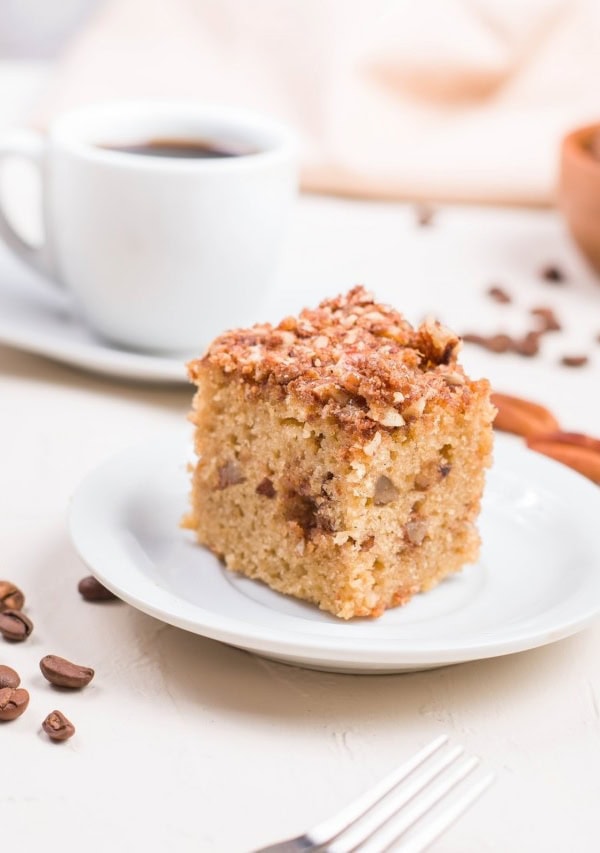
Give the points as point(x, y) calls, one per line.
point(357, 358)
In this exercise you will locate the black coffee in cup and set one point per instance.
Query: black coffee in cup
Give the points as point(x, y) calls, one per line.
point(185, 149)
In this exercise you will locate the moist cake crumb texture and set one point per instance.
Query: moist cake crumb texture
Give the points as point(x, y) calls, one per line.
point(341, 455)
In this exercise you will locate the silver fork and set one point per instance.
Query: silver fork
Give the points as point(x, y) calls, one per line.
point(401, 810)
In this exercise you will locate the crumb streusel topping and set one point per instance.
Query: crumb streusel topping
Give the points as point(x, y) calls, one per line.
point(351, 357)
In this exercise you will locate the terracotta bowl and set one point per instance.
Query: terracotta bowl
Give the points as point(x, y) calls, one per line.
point(579, 194)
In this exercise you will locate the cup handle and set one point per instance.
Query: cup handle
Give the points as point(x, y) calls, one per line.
point(29, 145)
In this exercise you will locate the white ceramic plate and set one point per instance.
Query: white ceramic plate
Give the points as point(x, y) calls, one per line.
point(538, 579)
point(36, 317)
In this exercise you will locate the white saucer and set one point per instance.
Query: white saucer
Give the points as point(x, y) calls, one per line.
point(538, 579)
point(36, 317)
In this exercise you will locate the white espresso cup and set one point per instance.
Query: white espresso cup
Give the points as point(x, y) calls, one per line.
point(159, 253)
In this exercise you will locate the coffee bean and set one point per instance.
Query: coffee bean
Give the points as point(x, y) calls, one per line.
point(498, 294)
point(500, 343)
point(57, 727)
point(13, 702)
point(63, 673)
point(8, 677)
point(92, 590)
point(574, 360)
point(11, 597)
point(552, 273)
point(474, 338)
point(529, 345)
point(493, 343)
point(549, 320)
point(15, 626)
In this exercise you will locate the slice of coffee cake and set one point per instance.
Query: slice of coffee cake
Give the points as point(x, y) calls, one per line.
point(341, 455)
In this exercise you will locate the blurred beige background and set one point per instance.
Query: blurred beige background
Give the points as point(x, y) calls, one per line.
point(445, 99)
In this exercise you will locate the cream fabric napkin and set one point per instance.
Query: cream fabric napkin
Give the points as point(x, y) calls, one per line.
point(445, 99)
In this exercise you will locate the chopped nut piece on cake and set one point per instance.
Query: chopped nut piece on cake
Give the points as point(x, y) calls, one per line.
point(341, 455)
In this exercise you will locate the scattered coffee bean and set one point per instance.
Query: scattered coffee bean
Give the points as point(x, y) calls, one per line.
point(553, 274)
point(499, 343)
point(574, 360)
point(474, 338)
point(424, 214)
point(63, 673)
point(92, 590)
point(11, 597)
point(528, 345)
point(498, 294)
point(8, 677)
point(13, 701)
point(15, 626)
point(57, 727)
point(549, 321)
point(493, 343)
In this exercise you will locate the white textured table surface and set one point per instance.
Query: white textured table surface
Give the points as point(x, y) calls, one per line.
point(186, 744)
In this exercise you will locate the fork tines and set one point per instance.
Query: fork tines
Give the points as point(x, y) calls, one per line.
point(408, 807)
